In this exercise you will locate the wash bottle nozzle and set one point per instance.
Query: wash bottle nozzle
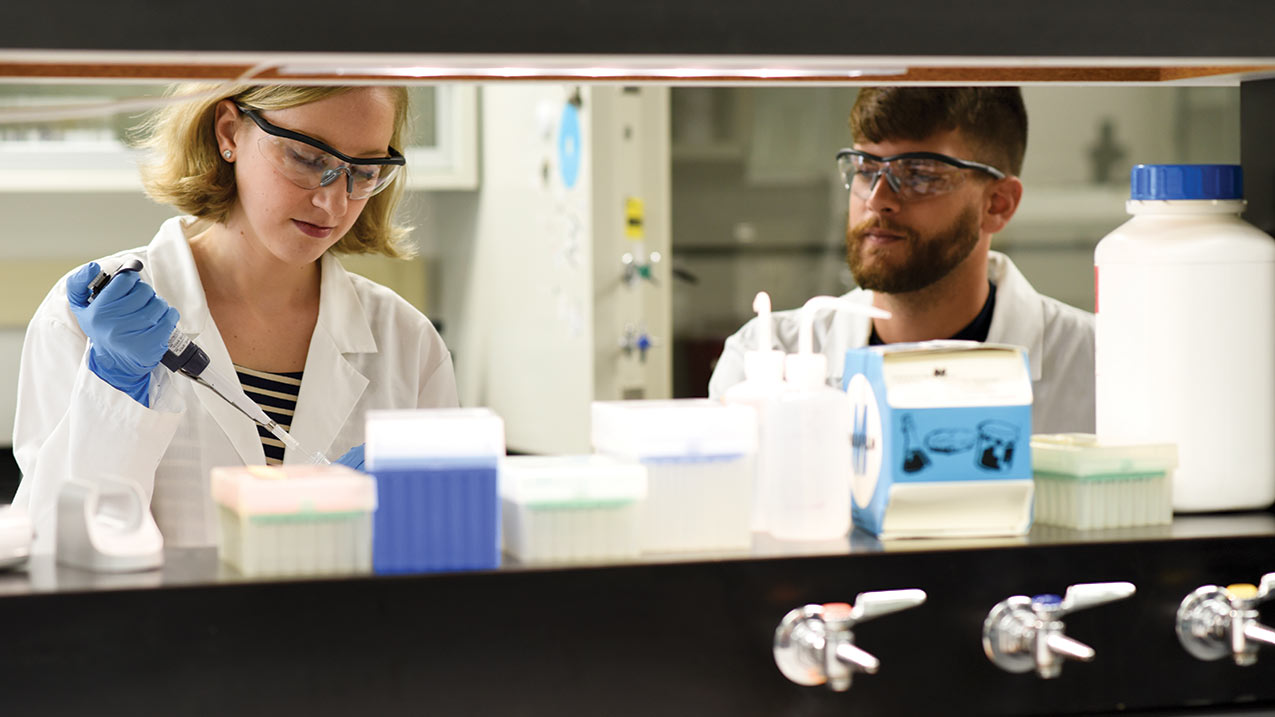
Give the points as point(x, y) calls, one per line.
point(807, 369)
point(764, 362)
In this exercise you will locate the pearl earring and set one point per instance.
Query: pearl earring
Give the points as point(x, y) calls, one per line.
point(226, 154)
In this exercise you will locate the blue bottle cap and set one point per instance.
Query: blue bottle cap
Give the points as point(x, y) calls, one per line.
point(1186, 181)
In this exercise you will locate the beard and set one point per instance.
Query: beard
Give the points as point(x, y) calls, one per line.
point(924, 260)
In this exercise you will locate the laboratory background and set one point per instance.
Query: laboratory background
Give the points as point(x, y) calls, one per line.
point(598, 192)
point(613, 265)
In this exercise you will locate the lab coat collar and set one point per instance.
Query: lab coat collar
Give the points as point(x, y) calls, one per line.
point(837, 332)
point(1019, 316)
point(331, 386)
point(176, 279)
point(854, 328)
point(341, 311)
point(1017, 319)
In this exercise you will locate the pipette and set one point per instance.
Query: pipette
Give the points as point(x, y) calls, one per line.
point(184, 357)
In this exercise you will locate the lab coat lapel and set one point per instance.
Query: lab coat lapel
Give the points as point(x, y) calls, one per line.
point(855, 327)
point(332, 385)
point(240, 429)
point(180, 286)
point(1019, 316)
point(846, 330)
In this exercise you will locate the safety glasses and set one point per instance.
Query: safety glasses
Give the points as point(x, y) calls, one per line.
point(912, 175)
point(310, 164)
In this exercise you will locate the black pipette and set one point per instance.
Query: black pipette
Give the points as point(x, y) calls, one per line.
point(186, 358)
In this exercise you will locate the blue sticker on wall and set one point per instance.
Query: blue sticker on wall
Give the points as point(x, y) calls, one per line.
point(569, 145)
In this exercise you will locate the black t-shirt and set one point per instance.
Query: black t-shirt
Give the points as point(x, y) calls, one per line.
point(975, 330)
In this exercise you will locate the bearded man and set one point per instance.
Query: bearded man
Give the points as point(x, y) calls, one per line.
point(932, 176)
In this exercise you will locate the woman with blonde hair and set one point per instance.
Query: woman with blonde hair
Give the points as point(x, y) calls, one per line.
point(274, 181)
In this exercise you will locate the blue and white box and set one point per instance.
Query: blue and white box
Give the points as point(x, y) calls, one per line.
point(438, 505)
point(941, 445)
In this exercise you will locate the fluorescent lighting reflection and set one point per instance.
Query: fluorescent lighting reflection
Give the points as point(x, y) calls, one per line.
point(640, 68)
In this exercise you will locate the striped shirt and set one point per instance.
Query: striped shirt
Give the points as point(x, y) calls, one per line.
point(276, 393)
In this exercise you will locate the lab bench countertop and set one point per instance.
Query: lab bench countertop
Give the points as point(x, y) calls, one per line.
point(676, 634)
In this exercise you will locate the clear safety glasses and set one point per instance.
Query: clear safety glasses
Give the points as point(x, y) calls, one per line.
point(912, 175)
point(310, 164)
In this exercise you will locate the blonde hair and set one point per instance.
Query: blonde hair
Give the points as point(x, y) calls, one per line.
point(186, 171)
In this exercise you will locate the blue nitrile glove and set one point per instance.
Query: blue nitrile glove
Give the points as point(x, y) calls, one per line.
point(128, 326)
point(353, 457)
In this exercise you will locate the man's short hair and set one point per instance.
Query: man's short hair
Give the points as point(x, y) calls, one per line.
point(992, 120)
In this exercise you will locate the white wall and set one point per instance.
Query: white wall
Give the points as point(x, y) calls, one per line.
point(1065, 212)
point(10, 352)
point(517, 289)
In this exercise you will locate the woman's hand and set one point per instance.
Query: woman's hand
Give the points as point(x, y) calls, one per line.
point(128, 326)
point(353, 457)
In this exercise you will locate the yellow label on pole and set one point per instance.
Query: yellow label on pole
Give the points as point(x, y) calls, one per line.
point(633, 218)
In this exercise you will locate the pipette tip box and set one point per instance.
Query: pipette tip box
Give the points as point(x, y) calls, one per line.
point(700, 459)
point(571, 508)
point(295, 519)
point(1086, 484)
point(436, 472)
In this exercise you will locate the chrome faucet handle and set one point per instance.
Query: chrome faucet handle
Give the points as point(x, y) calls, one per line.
point(814, 645)
point(1084, 595)
point(1022, 634)
point(883, 602)
point(1215, 622)
point(1266, 586)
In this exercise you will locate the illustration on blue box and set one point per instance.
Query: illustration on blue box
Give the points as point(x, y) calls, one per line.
point(940, 439)
point(994, 441)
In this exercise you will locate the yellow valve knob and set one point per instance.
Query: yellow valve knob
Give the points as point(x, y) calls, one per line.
point(1242, 591)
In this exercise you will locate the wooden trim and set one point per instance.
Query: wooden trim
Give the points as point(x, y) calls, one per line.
point(1169, 74)
point(129, 71)
point(1013, 75)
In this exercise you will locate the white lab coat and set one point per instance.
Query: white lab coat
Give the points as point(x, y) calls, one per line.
point(1059, 340)
point(370, 350)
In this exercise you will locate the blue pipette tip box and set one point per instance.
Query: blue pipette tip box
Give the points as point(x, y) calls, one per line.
point(437, 489)
point(444, 516)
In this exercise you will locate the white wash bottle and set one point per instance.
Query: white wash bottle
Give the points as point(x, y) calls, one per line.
point(761, 389)
point(810, 430)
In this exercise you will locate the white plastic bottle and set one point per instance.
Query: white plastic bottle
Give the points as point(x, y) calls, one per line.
point(1185, 343)
point(810, 426)
point(762, 387)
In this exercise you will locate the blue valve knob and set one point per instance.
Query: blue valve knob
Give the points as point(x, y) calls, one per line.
point(1047, 600)
point(636, 339)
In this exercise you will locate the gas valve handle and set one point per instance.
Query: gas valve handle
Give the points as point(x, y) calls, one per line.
point(814, 645)
point(1084, 595)
point(1215, 622)
point(1022, 634)
point(883, 602)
